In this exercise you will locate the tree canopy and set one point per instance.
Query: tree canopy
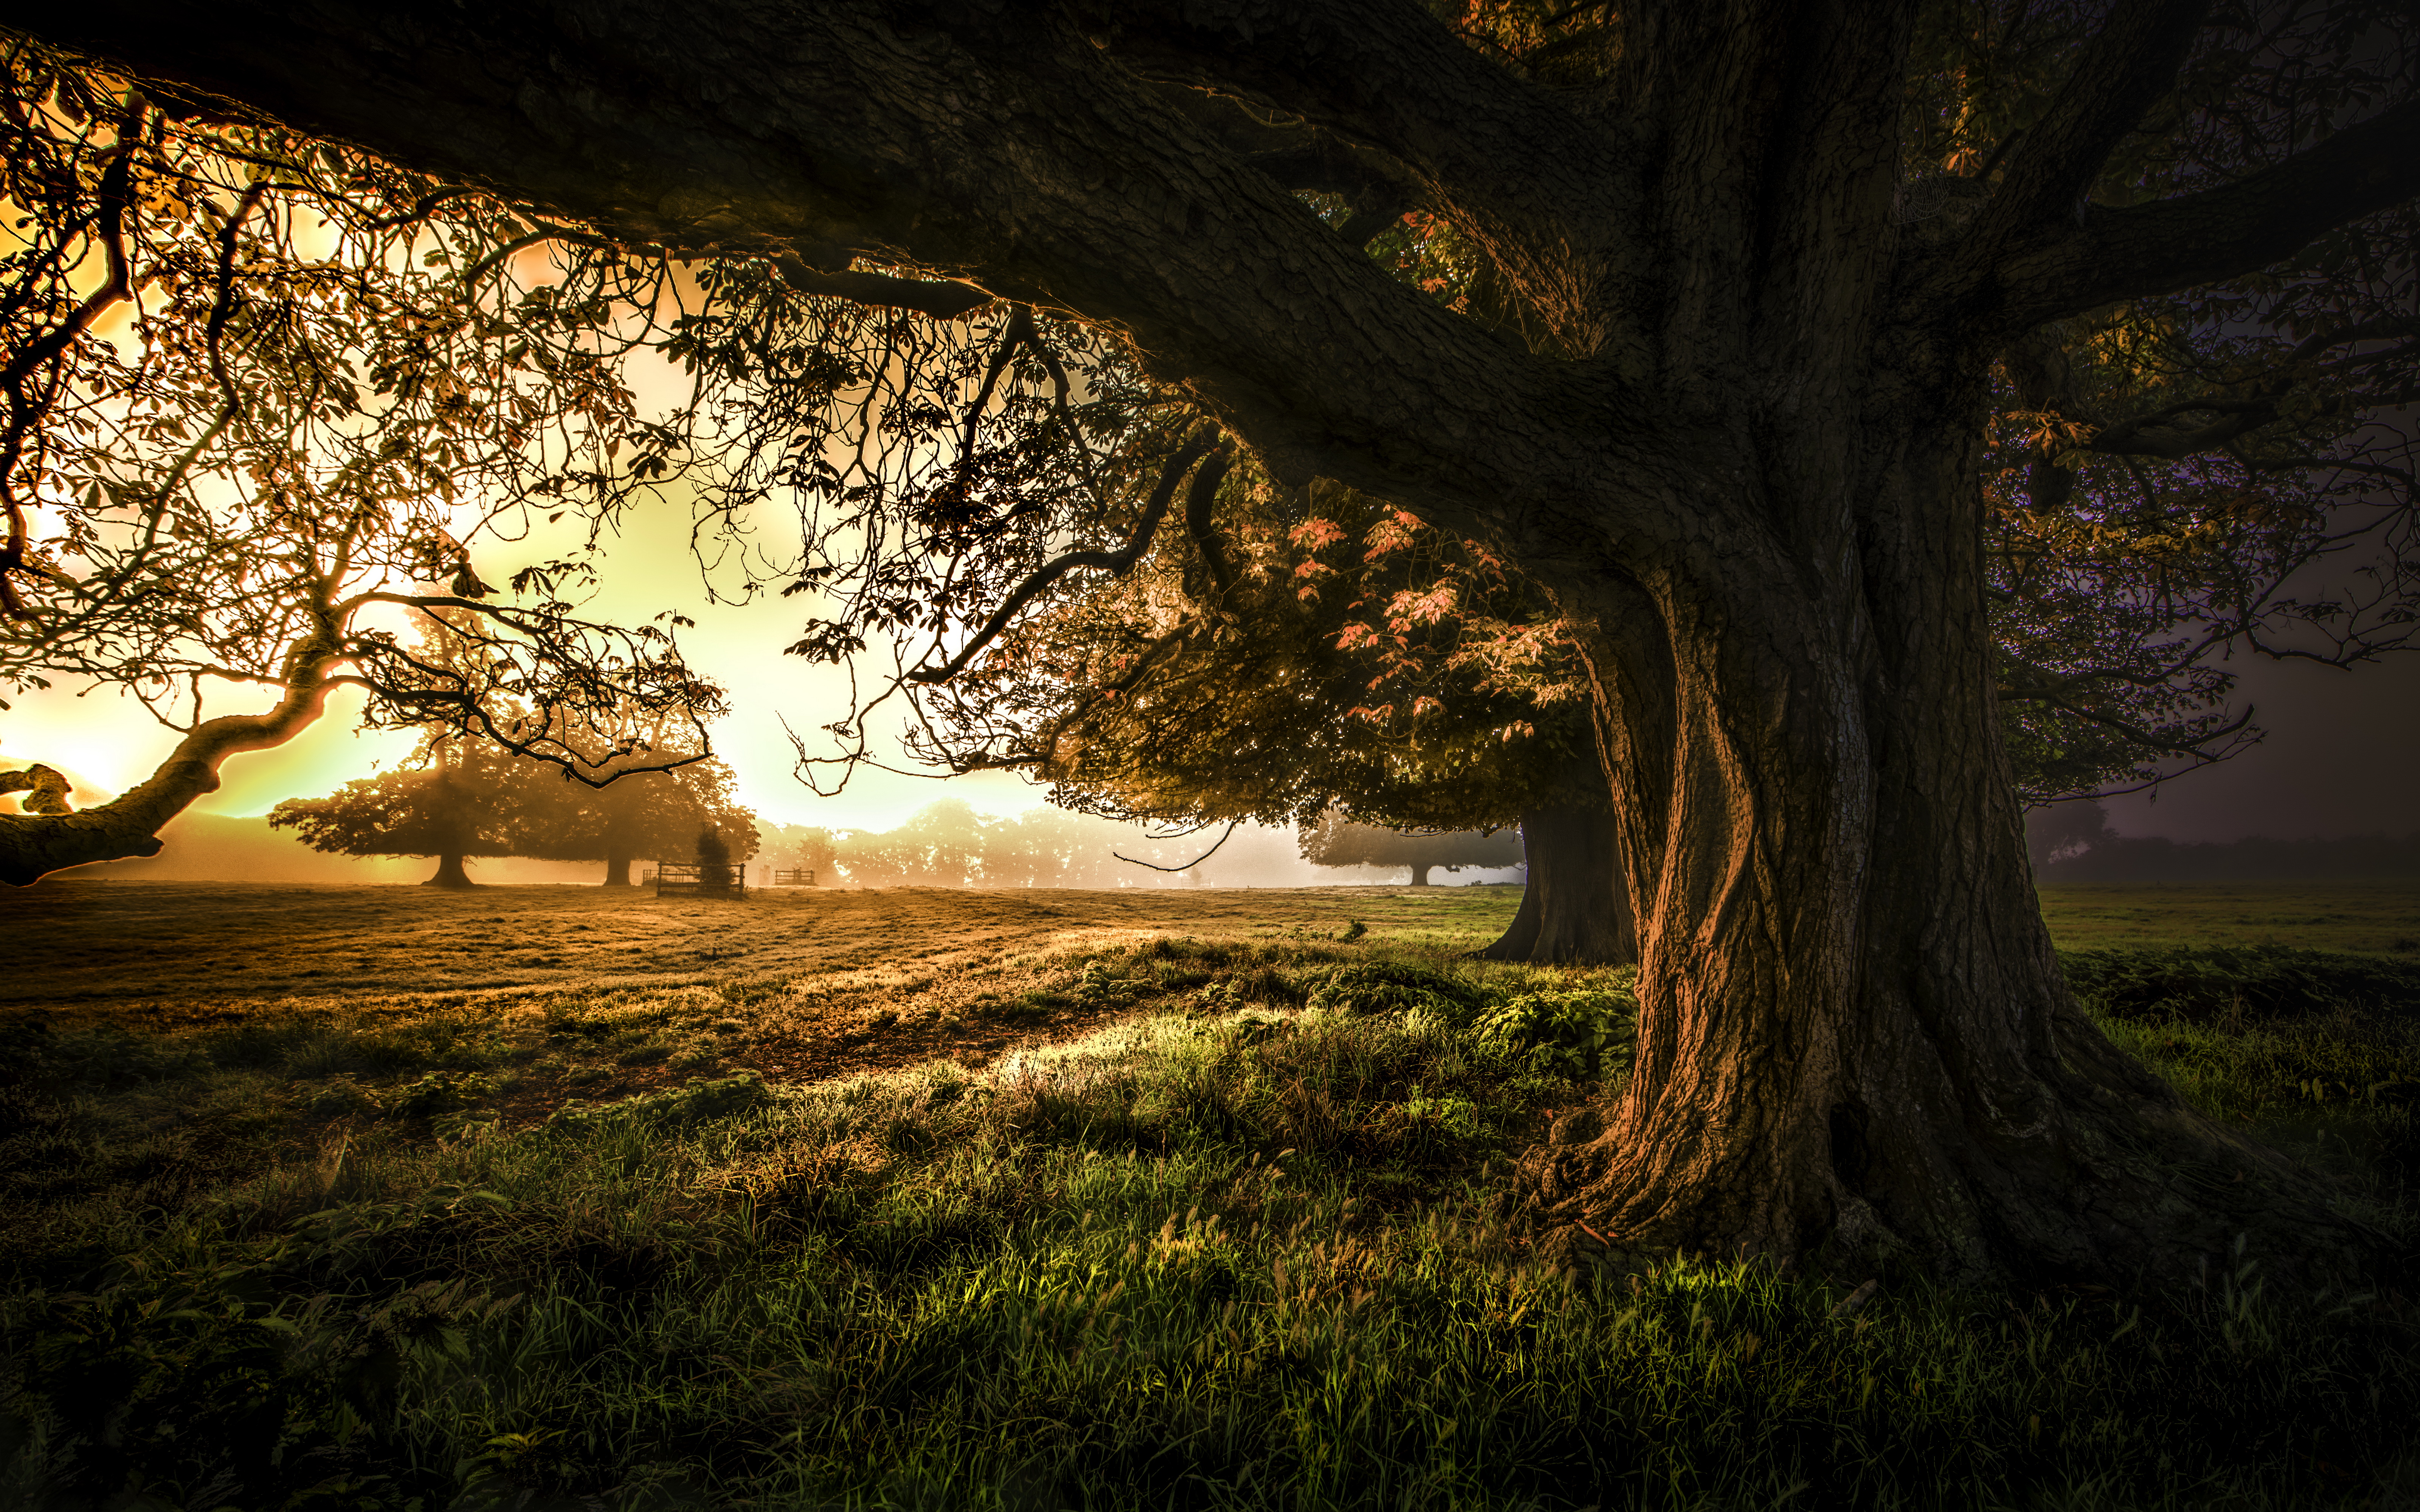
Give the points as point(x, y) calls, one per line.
point(460, 802)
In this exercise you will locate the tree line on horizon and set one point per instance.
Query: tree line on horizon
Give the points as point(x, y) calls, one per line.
point(463, 805)
point(948, 843)
point(2074, 843)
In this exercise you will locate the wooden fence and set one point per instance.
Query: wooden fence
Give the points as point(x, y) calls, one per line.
point(795, 877)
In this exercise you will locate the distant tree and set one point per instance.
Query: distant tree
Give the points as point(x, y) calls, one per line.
point(799, 847)
point(649, 782)
point(942, 845)
point(649, 786)
point(2062, 831)
point(2253, 860)
point(461, 803)
point(648, 812)
point(1336, 841)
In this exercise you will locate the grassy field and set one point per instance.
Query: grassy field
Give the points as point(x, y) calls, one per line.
point(539, 1198)
point(2367, 916)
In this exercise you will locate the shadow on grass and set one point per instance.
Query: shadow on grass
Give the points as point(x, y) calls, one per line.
point(1235, 1252)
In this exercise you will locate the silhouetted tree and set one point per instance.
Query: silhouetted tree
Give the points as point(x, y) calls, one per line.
point(647, 813)
point(1336, 841)
point(463, 802)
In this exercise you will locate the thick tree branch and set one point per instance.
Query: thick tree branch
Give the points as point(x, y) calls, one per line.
point(33, 845)
point(1299, 156)
point(1008, 152)
point(2128, 67)
point(1389, 75)
point(2157, 435)
point(1198, 500)
point(47, 789)
point(2214, 235)
point(943, 300)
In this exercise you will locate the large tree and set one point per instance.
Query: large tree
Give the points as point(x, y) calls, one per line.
point(457, 800)
point(1336, 841)
point(1320, 652)
point(650, 813)
point(1737, 286)
point(654, 789)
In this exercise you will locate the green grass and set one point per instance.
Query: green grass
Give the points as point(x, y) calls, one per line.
point(2380, 916)
point(1239, 1251)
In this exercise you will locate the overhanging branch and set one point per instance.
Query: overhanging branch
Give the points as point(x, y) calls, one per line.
point(1118, 561)
point(1189, 866)
point(2126, 68)
point(2217, 234)
point(941, 299)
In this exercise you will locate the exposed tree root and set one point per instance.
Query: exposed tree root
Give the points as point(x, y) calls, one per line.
point(2128, 1187)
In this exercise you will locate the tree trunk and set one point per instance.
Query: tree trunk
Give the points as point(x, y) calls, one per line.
point(450, 873)
point(1575, 910)
point(617, 872)
point(1521, 937)
point(1419, 874)
point(1854, 1039)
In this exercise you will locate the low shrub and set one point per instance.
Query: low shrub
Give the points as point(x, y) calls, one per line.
point(438, 1092)
point(672, 1108)
point(1401, 987)
point(1582, 1034)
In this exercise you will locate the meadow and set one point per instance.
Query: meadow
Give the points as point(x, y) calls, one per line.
point(327, 1197)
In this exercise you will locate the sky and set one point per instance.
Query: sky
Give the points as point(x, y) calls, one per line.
point(106, 743)
point(2341, 757)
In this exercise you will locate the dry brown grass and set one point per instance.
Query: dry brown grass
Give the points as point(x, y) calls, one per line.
point(801, 984)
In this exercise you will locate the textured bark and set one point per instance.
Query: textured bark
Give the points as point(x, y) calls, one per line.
point(450, 873)
point(1576, 909)
point(617, 872)
point(1735, 440)
point(1575, 871)
point(1854, 1039)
